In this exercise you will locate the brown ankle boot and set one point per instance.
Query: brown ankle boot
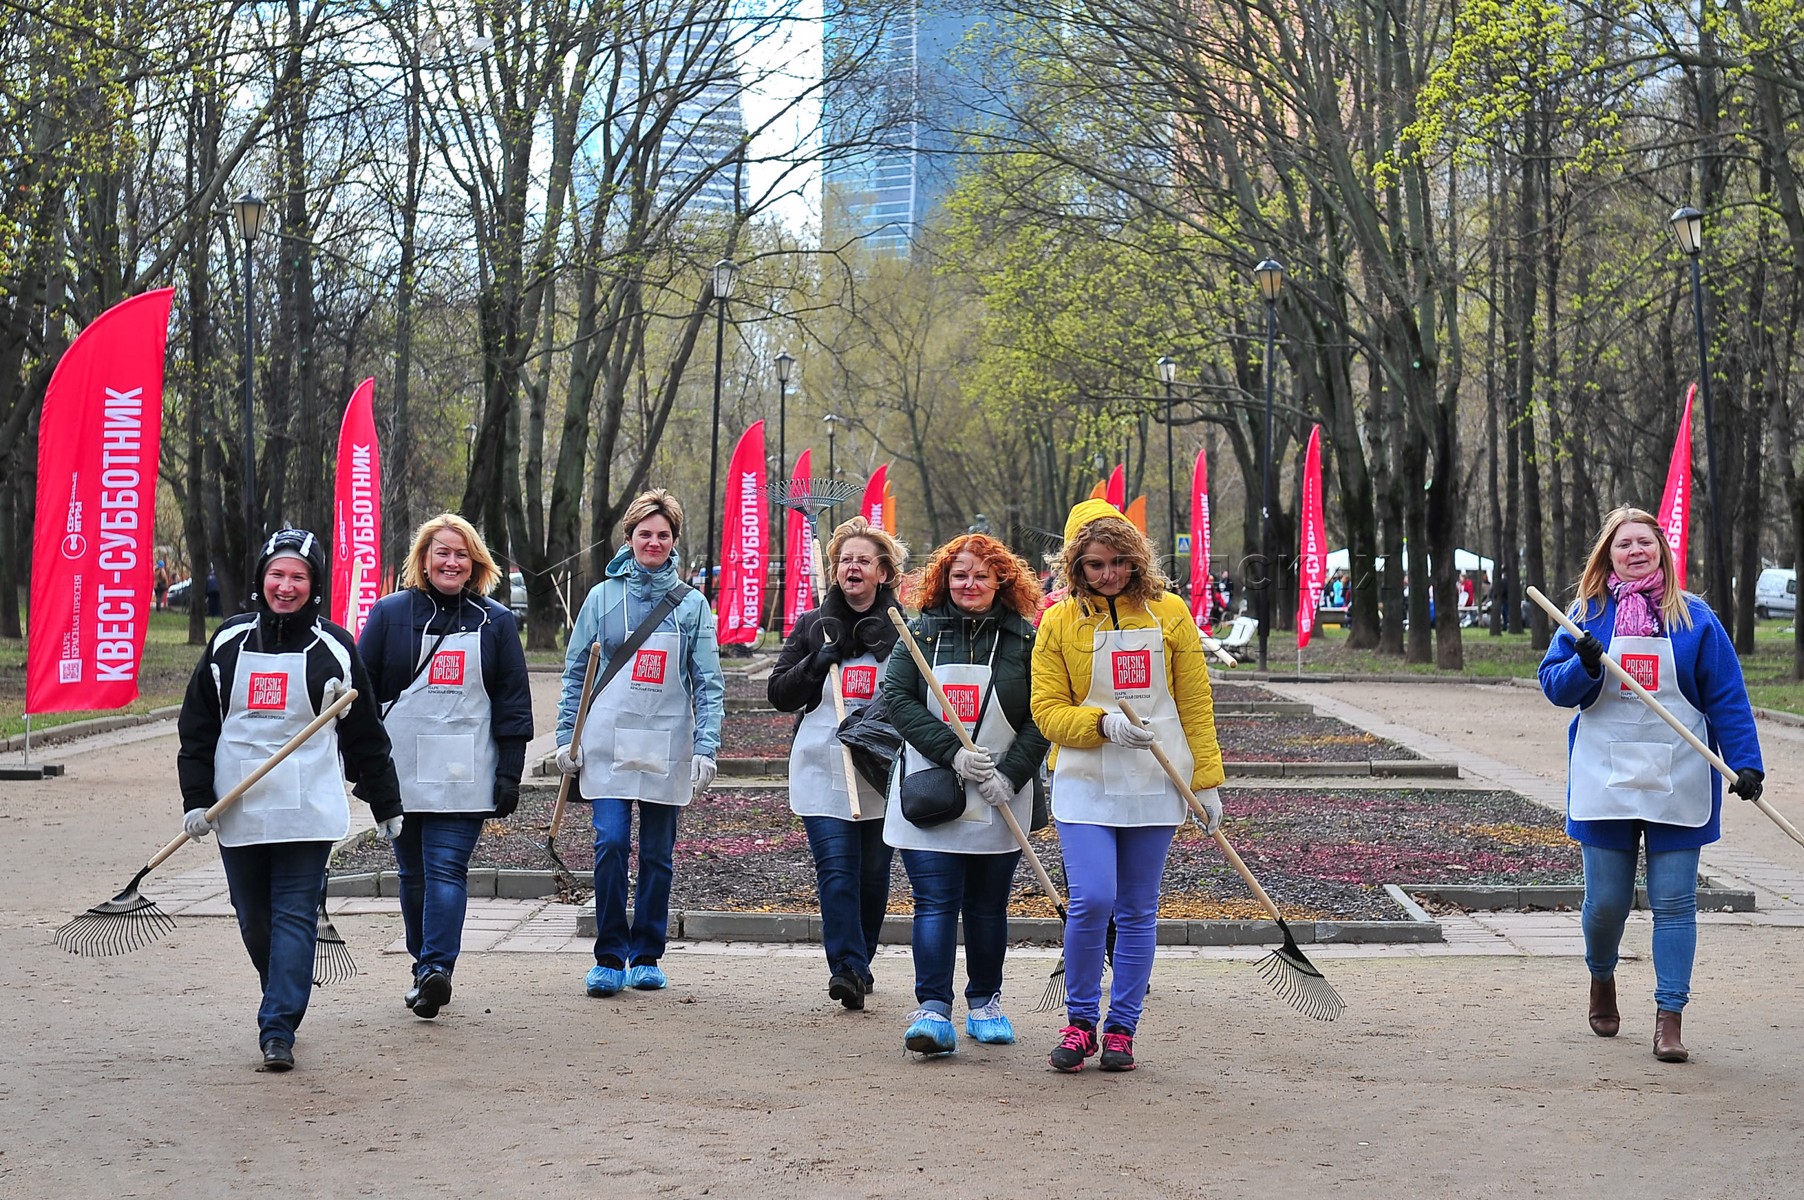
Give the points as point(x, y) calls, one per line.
point(1605, 1020)
point(1667, 1047)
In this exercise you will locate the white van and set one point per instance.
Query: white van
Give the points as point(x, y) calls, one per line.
point(1776, 593)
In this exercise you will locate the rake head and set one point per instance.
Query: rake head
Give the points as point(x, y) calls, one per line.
point(1053, 998)
point(332, 961)
point(1298, 983)
point(811, 497)
point(125, 923)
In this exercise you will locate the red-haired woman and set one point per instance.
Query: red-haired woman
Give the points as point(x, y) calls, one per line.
point(977, 602)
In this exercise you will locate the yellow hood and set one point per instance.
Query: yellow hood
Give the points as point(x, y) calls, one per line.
point(1088, 511)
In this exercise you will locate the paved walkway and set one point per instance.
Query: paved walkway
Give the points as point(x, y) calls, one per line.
point(544, 927)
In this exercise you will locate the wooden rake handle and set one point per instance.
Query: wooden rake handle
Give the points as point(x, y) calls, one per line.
point(1216, 648)
point(232, 797)
point(576, 733)
point(839, 695)
point(1613, 668)
point(964, 737)
point(1202, 814)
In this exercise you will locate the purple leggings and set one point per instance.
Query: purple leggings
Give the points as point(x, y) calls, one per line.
point(1111, 871)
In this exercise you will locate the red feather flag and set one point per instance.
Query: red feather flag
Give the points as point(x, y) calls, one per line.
point(1312, 555)
point(1675, 501)
point(798, 553)
point(1200, 600)
point(357, 513)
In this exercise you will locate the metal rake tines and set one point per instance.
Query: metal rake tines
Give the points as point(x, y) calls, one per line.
point(332, 961)
point(115, 927)
point(1053, 998)
point(811, 496)
point(1299, 984)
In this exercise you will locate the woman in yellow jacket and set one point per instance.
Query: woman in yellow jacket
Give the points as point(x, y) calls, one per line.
point(1119, 635)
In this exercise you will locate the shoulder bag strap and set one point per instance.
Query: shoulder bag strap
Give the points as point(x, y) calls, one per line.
point(653, 619)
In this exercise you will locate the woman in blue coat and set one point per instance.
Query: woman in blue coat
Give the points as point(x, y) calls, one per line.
point(1632, 780)
point(450, 679)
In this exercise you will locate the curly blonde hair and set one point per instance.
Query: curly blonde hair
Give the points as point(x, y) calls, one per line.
point(1017, 587)
point(1146, 583)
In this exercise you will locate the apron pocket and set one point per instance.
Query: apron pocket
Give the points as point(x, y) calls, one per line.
point(644, 743)
point(278, 791)
point(445, 758)
point(1643, 766)
point(1131, 772)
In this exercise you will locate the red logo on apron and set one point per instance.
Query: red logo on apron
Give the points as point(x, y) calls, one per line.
point(1644, 669)
point(858, 683)
point(447, 668)
point(648, 666)
point(268, 690)
point(965, 698)
point(1133, 670)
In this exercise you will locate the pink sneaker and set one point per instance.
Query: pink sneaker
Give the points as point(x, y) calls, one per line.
point(1076, 1043)
point(1117, 1051)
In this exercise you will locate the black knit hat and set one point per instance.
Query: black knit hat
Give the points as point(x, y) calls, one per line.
point(294, 543)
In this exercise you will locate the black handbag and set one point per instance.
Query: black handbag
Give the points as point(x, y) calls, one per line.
point(936, 795)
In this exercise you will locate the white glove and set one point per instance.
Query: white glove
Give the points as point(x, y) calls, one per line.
point(702, 770)
point(195, 823)
point(389, 830)
point(1123, 732)
point(995, 789)
point(1211, 800)
point(570, 758)
point(973, 766)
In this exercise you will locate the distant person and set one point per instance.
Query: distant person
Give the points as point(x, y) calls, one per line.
point(1120, 635)
point(264, 676)
point(160, 583)
point(850, 629)
point(977, 599)
point(448, 670)
point(650, 738)
point(1631, 780)
point(213, 609)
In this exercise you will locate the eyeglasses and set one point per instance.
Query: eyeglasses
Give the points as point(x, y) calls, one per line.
point(854, 560)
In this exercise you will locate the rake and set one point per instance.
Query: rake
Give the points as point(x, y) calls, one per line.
point(1055, 987)
point(567, 878)
point(811, 499)
point(1287, 969)
point(130, 921)
point(332, 962)
point(1661, 711)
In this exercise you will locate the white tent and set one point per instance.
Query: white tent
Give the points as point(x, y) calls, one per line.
point(1463, 560)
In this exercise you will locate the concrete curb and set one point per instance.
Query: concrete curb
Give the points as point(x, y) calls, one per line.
point(75, 730)
point(1400, 768)
point(1712, 896)
point(1263, 708)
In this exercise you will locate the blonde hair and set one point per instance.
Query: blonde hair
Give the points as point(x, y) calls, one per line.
point(1146, 582)
point(483, 572)
point(654, 503)
point(1594, 580)
point(892, 555)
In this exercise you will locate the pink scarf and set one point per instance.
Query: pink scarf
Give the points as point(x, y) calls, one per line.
point(1637, 603)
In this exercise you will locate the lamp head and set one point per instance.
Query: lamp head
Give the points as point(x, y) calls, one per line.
point(1688, 227)
point(248, 211)
point(785, 363)
point(1271, 279)
point(725, 272)
point(1168, 368)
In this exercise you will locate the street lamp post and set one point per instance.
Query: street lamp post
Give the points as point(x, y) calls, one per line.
point(248, 212)
point(1271, 281)
point(725, 271)
point(785, 364)
point(1168, 373)
point(1688, 227)
point(832, 420)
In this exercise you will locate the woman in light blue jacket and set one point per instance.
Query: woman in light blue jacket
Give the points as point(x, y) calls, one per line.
point(651, 736)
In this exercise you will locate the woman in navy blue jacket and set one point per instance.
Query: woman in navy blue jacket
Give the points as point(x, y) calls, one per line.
point(450, 680)
point(1631, 778)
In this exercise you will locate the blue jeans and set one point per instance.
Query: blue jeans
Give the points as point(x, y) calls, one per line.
point(946, 885)
point(1112, 871)
point(617, 944)
point(277, 888)
point(851, 873)
point(1672, 895)
point(433, 856)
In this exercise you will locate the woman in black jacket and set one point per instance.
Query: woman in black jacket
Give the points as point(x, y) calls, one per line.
point(450, 676)
point(851, 630)
point(977, 602)
point(264, 677)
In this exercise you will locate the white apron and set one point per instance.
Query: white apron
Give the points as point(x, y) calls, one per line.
point(1113, 785)
point(303, 799)
point(977, 830)
point(640, 732)
point(817, 769)
point(1627, 763)
point(439, 729)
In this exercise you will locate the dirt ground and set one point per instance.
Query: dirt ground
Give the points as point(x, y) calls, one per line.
point(1470, 1077)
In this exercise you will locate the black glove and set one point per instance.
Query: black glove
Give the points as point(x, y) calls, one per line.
point(1591, 653)
point(832, 649)
point(1748, 783)
point(507, 797)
